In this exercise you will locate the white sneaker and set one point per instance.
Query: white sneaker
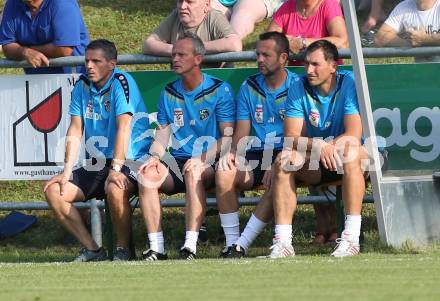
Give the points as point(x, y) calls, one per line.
point(281, 250)
point(345, 248)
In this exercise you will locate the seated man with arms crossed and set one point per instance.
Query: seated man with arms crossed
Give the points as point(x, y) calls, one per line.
point(412, 23)
point(322, 143)
point(196, 110)
point(102, 107)
point(195, 16)
point(260, 110)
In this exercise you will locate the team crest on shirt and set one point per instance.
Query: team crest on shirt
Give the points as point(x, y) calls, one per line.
point(203, 114)
point(178, 117)
point(314, 117)
point(282, 113)
point(259, 116)
point(107, 105)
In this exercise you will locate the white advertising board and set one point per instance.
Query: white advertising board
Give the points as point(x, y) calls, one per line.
point(34, 119)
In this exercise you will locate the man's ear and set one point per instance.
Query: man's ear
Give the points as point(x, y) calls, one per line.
point(199, 59)
point(284, 57)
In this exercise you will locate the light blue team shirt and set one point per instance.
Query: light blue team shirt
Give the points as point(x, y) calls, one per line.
point(99, 109)
point(265, 108)
point(195, 114)
point(324, 116)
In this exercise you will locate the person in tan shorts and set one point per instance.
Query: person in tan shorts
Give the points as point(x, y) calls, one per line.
point(244, 14)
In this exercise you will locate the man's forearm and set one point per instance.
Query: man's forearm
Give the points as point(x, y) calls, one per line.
point(154, 46)
point(52, 51)
point(14, 51)
point(228, 44)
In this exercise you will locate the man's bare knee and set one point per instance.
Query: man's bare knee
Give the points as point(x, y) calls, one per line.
point(225, 179)
point(151, 178)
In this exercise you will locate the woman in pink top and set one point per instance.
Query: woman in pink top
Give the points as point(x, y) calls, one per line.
point(305, 21)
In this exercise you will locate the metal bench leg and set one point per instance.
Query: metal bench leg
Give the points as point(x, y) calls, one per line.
point(340, 214)
point(96, 224)
point(109, 231)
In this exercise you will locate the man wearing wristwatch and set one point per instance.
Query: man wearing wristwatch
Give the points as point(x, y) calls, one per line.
point(103, 108)
point(197, 111)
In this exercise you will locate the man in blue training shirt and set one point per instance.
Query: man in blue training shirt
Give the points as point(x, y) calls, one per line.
point(197, 111)
point(260, 111)
point(323, 143)
point(36, 30)
point(104, 105)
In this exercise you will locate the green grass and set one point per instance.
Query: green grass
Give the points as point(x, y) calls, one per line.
point(366, 277)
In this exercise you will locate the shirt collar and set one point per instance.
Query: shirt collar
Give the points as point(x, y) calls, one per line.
point(26, 9)
point(107, 84)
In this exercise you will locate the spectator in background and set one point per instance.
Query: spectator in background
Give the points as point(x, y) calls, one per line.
point(305, 21)
point(193, 16)
point(412, 23)
point(36, 30)
point(244, 14)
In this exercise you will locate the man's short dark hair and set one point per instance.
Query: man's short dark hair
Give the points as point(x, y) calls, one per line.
point(329, 49)
point(281, 41)
point(106, 46)
point(198, 46)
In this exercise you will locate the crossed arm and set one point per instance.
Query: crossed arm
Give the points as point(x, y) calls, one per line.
point(37, 56)
point(154, 46)
point(331, 152)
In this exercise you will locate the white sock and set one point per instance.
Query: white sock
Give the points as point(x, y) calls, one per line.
point(253, 228)
point(191, 240)
point(231, 226)
point(283, 233)
point(156, 242)
point(352, 228)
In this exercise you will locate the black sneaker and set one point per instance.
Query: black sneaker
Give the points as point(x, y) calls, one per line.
point(186, 253)
point(87, 255)
point(150, 255)
point(234, 251)
point(122, 254)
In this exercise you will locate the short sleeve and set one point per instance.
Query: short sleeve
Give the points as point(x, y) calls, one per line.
point(221, 26)
point(75, 108)
point(395, 19)
point(7, 27)
point(243, 112)
point(225, 109)
point(162, 117)
point(351, 105)
point(332, 10)
point(66, 23)
point(163, 31)
point(294, 102)
point(281, 16)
